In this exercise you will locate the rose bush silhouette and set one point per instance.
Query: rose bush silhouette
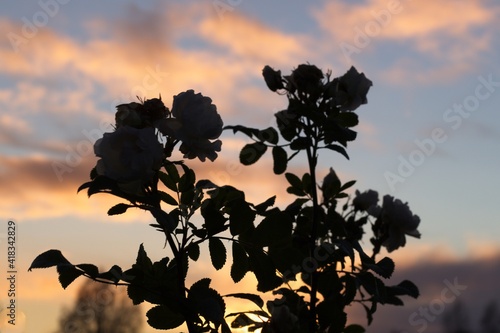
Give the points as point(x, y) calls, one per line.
point(314, 242)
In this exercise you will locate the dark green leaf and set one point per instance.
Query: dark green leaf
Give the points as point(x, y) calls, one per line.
point(369, 311)
point(172, 172)
point(164, 219)
point(374, 286)
point(194, 251)
point(90, 269)
point(242, 320)
point(167, 198)
point(394, 300)
point(354, 328)
point(252, 152)
point(269, 135)
point(205, 184)
point(207, 302)
point(174, 265)
point(274, 230)
point(251, 297)
point(240, 266)
point(307, 183)
point(259, 313)
point(294, 180)
point(264, 270)
point(334, 132)
point(135, 293)
point(286, 122)
point(83, 186)
point(100, 184)
point(118, 209)
point(407, 287)
point(280, 160)
point(67, 274)
point(347, 185)
point(296, 191)
point(217, 252)
point(187, 197)
point(48, 259)
point(200, 233)
point(262, 207)
point(214, 220)
point(288, 260)
point(300, 143)
point(385, 267)
point(331, 315)
point(163, 318)
point(350, 288)
point(347, 119)
point(114, 274)
point(296, 205)
point(329, 283)
point(201, 284)
point(93, 173)
point(168, 180)
point(245, 130)
point(187, 180)
point(338, 149)
point(143, 260)
point(304, 289)
point(241, 217)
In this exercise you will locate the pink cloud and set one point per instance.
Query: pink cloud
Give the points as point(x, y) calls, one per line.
point(454, 43)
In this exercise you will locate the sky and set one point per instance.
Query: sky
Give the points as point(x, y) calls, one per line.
point(428, 135)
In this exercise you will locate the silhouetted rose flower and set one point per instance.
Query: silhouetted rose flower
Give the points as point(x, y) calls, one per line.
point(396, 221)
point(140, 115)
point(154, 109)
point(307, 79)
point(350, 90)
point(196, 122)
point(130, 156)
point(128, 115)
point(363, 201)
point(273, 78)
point(330, 186)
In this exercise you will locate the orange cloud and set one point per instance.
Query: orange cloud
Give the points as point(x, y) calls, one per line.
point(401, 20)
point(250, 39)
point(134, 55)
point(138, 55)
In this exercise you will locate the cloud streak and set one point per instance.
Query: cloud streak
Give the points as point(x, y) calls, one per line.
point(452, 44)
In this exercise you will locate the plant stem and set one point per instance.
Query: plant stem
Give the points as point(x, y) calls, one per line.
point(179, 254)
point(312, 160)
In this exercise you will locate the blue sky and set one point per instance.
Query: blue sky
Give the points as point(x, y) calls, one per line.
point(60, 81)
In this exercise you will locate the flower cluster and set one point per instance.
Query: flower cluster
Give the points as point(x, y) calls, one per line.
point(132, 154)
point(347, 92)
point(394, 219)
point(323, 102)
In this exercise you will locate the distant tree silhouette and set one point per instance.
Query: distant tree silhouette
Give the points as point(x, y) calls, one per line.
point(457, 319)
point(490, 321)
point(101, 308)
